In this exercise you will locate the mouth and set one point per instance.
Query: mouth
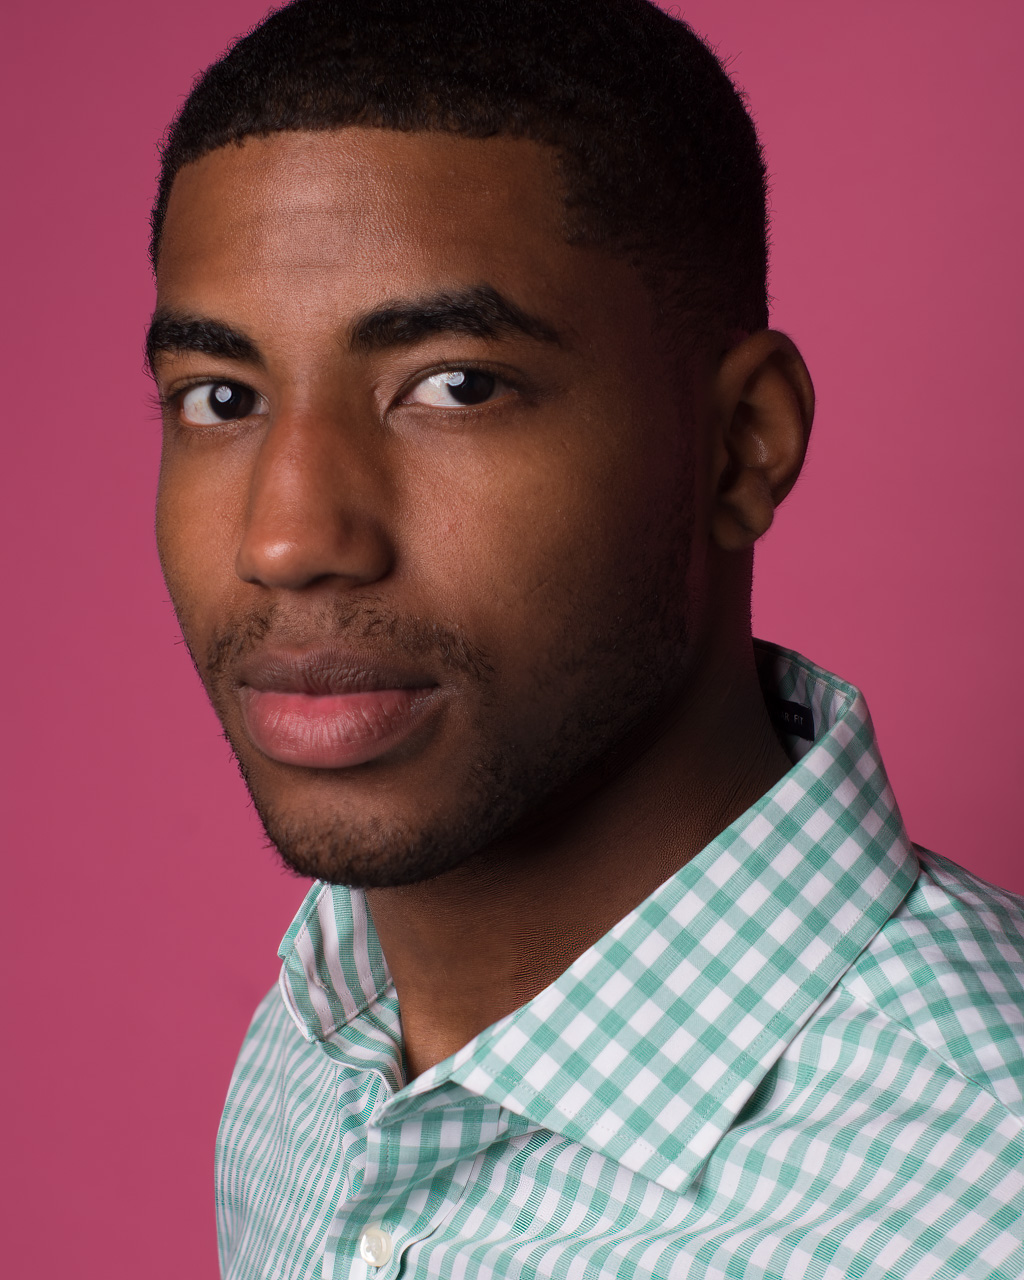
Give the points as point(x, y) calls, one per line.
point(326, 710)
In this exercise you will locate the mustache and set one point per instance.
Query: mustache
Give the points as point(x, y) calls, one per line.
point(366, 628)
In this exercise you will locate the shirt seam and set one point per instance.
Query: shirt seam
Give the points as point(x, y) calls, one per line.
point(931, 1049)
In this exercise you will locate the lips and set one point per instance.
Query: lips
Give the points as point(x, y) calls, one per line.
point(324, 710)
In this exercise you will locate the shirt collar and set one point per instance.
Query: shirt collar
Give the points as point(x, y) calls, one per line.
point(648, 1046)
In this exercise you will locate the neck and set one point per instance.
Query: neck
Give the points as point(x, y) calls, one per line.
point(473, 945)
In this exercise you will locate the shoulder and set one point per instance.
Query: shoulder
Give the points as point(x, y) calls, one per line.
point(899, 1104)
point(948, 967)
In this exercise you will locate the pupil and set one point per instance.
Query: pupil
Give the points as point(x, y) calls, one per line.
point(470, 386)
point(230, 401)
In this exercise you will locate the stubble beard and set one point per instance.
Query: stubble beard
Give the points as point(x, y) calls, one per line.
point(623, 671)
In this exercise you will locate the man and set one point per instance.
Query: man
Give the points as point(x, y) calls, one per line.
point(619, 961)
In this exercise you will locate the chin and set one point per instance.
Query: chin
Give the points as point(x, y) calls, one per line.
point(343, 831)
point(372, 854)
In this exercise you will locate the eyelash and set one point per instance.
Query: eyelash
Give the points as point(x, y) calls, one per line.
point(500, 376)
point(168, 403)
point(163, 403)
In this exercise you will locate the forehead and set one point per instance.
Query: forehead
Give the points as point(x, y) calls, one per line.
point(289, 237)
point(366, 202)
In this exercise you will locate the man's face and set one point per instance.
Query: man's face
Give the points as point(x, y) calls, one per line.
point(429, 503)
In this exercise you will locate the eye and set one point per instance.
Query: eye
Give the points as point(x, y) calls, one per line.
point(455, 388)
point(211, 403)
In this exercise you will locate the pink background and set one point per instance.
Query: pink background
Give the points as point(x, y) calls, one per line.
point(144, 912)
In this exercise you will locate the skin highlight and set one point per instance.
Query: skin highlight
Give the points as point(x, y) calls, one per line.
point(561, 573)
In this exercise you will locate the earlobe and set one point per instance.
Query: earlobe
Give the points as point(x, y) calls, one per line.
point(763, 407)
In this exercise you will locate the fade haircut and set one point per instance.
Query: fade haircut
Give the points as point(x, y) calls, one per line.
point(659, 160)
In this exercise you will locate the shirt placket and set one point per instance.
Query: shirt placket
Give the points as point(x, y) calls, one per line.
point(404, 1198)
point(364, 1241)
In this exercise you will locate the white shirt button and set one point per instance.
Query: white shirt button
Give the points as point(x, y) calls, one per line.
point(376, 1246)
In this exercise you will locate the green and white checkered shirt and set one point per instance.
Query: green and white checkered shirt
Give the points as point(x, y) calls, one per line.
point(803, 1056)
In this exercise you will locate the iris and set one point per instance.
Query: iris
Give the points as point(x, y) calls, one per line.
point(228, 400)
point(470, 386)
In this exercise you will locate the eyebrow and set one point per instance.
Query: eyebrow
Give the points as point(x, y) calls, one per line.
point(170, 332)
point(479, 312)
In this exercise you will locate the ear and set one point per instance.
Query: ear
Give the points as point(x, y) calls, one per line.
point(762, 405)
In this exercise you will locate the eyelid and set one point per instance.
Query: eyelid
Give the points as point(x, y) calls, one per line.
point(173, 400)
point(203, 380)
point(502, 376)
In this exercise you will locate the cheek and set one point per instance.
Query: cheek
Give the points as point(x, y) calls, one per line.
point(196, 534)
point(537, 550)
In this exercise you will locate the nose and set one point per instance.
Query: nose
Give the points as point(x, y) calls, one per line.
point(316, 508)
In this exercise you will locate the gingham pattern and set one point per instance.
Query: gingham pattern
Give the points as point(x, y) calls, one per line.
point(803, 1056)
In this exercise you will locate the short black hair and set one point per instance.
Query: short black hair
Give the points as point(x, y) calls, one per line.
point(659, 157)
